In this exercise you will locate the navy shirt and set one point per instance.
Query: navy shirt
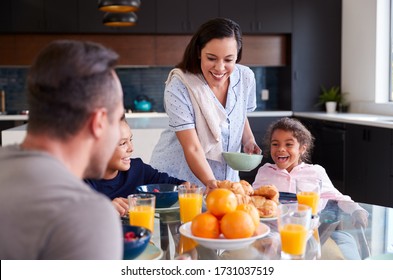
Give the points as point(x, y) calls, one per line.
point(125, 182)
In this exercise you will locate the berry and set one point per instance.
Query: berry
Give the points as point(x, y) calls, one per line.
point(128, 236)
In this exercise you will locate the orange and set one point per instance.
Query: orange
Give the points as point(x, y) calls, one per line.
point(221, 201)
point(237, 224)
point(252, 211)
point(205, 225)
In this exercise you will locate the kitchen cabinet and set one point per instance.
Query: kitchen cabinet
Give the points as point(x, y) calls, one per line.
point(90, 19)
point(259, 126)
point(368, 166)
point(6, 17)
point(184, 16)
point(329, 149)
point(28, 15)
point(259, 16)
point(316, 50)
point(39, 16)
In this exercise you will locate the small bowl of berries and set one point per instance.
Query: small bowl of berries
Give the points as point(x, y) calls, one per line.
point(166, 194)
point(136, 240)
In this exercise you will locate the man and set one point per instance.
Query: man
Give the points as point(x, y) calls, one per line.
point(75, 108)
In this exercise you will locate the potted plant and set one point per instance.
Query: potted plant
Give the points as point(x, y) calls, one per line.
point(330, 97)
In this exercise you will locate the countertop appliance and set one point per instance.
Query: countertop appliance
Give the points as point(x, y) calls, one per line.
point(142, 103)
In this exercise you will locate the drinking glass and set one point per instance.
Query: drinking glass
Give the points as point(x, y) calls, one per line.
point(141, 211)
point(308, 191)
point(190, 202)
point(293, 225)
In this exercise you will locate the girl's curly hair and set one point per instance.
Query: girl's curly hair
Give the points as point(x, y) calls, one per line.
point(299, 131)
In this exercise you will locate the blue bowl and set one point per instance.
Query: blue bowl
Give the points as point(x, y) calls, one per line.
point(136, 246)
point(166, 194)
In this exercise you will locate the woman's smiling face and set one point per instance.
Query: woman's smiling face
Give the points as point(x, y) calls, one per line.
point(285, 149)
point(218, 59)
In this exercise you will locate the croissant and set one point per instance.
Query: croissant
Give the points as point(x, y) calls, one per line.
point(236, 188)
point(268, 191)
point(248, 189)
point(243, 199)
point(258, 200)
point(268, 210)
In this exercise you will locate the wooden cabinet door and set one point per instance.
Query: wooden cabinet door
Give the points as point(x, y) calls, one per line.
point(61, 16)
point(6, 17)
point(316, 50)
point(273, 16)
point(369, 152)
point(184, 16)
point(242, 12)
point(172, 16)
point(201, 11)
point(259, 16)
point(378, 165)
point(28, 16)
point(356, 154)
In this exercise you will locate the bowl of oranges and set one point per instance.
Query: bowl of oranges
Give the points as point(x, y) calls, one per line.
point(226, 224)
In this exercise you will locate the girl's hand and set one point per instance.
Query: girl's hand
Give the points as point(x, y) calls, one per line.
point(121, 205)
point(252, 148)
point(360, 217)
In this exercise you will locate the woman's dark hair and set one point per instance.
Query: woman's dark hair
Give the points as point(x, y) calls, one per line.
point(299, 131)
point(217, 28)
point(66, 83)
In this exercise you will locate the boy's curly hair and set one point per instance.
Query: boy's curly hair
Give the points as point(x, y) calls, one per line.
point(299, 131)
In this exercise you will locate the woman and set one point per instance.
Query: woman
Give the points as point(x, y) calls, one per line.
point(207, 97)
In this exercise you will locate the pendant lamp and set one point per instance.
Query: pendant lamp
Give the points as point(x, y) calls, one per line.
point(120, 19)
point(119, 6)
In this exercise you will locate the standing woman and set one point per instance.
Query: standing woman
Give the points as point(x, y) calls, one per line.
point(207, 97)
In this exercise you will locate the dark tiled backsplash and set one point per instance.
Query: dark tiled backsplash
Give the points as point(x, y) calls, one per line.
point(149, 81)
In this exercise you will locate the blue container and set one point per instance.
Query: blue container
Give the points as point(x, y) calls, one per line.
point(135, 247)
point(166, 194)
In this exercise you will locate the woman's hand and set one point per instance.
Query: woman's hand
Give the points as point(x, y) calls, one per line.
point(121, 205)
point(211, 185)
point(248, 141)
point(252, 148)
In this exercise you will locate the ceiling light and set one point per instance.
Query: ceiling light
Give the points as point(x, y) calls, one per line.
point(119, 6)
point(120, 19)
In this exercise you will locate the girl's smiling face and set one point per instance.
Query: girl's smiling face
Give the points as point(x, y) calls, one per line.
point(285, 149)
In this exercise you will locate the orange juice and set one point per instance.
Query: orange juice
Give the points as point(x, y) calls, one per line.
point(190, 206)
point(293, 239)
point(309, 198)
point(142, 215)
point(185, 244)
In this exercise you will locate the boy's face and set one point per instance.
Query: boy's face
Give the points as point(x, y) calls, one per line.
point(121, 158)
point(285, 150)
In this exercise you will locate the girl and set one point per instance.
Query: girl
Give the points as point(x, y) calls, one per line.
point(290, 144)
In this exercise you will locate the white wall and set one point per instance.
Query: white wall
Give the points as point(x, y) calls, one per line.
point(365, 55)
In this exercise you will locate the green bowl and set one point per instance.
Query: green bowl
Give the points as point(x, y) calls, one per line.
point(242, 161)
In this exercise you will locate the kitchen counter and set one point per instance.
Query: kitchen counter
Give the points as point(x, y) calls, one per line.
point(360, 119)
point(14, 117)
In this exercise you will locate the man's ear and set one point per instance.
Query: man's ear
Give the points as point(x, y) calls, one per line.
point(98, 121)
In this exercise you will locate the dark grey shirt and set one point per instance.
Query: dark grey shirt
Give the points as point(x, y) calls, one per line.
point(48, 213)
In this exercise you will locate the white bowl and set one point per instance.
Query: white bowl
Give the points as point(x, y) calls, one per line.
point(223, 243)
point(242, 161)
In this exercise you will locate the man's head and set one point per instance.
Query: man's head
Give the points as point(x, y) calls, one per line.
point(72, 87)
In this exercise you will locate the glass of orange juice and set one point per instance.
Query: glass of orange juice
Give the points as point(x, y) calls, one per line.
point(293, 222)
point(190, 202)
point(141, 210)
point(308, 191)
